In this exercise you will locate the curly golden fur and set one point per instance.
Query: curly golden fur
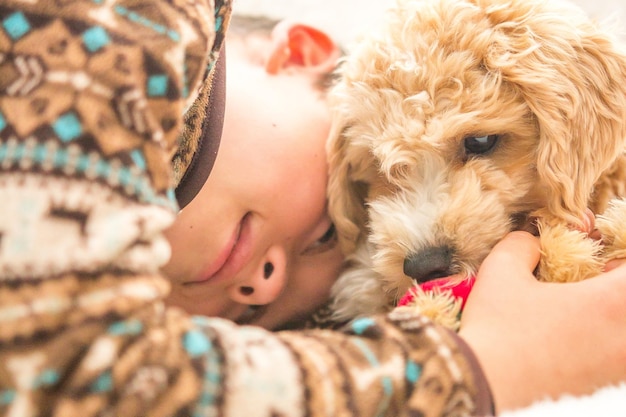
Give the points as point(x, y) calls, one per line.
point(461, 120)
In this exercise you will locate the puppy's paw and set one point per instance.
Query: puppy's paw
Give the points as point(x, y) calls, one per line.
point(567, 255)
point(612, 227)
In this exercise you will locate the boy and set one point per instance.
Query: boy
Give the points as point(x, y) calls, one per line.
point(257, 232)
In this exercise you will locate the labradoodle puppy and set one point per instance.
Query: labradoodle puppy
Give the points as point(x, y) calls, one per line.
point(462, 120)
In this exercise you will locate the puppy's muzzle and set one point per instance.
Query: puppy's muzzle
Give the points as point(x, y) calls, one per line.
point(428, 264)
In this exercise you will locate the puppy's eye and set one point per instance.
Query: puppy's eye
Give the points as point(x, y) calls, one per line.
point(478, 145)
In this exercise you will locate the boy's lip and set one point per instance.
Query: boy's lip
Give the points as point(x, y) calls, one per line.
point(232, 257)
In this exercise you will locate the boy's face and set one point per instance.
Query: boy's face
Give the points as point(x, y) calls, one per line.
point(258, 232)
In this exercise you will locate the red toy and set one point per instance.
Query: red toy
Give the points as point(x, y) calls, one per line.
point(441, 299)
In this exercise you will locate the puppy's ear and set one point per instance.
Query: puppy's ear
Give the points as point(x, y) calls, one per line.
point(347, 188)
point(573, 78)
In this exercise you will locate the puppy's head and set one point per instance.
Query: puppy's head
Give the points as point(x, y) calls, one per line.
point(469, 114)
point(572, 76)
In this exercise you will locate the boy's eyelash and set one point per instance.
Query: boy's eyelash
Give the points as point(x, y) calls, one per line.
point(325, 243)
point(330, 233)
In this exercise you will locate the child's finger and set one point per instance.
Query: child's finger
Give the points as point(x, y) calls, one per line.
point(614, 263)
point(589, 222)
point(517, 252)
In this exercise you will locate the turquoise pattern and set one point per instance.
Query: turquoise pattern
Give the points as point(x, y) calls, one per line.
point(7, 396)
point(196, 343)
point(16, 25)
point(157, 85)
point(130, 178)
point(212, 380)
point(60, 158)
point(46, 378)
point(144, 21)
point(83, 163)
point(67, 127)
point(103, 168)
point(138, 159)
point(95, 38)
point(123, 328)
point(385, 381)
point(360, 325)
point(412, 372)
point(103, 383)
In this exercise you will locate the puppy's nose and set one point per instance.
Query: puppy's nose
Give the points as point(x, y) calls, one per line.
point(428, 264)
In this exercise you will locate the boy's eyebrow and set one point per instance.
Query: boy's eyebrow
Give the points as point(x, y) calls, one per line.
point(209, 139)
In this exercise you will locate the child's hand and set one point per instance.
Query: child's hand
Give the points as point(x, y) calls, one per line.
point(589, 223)
point(534, 338)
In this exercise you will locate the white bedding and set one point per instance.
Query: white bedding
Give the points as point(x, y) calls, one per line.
point(606, 402)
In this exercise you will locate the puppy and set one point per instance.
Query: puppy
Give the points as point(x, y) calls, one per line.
point(462, 120)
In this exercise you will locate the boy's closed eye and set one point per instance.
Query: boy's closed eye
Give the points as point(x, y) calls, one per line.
point(324, 243)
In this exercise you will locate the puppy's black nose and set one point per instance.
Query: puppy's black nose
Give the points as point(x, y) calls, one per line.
point(428, 264)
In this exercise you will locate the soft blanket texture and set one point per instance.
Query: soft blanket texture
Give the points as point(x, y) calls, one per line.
point(606, 402)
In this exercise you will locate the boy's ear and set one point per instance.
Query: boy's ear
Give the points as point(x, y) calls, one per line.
point(299, 45)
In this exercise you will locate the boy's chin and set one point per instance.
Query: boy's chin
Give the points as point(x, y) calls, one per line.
point(275, 319)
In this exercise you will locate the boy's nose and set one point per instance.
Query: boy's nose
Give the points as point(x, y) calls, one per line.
point(266, 281)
